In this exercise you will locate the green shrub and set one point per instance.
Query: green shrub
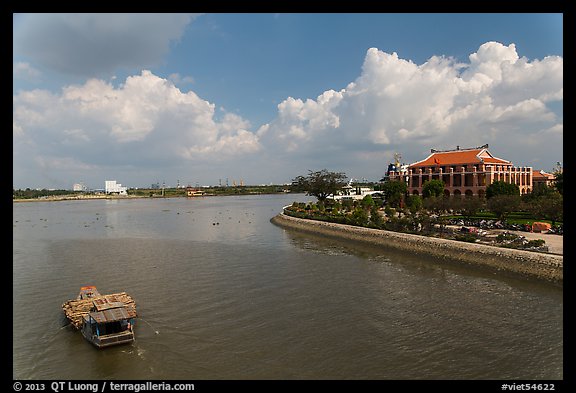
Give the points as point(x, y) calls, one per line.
point(470, 238)
point(505, 236)
point(535, 243)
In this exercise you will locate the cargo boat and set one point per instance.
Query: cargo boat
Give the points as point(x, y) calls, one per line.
point(104, 320)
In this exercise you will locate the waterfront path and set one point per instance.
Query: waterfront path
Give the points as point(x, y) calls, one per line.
point(554, 242)
point(544, 266)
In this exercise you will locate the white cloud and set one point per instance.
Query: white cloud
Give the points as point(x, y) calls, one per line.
point(531, 110)
point(556, 129)
point(233, 122)
point(16, 129)
point(441, 103)
point(490, 60)
point(240, 143)
point(23, 70)
point(299, 121)
point(95, 44)
point(145, 119)
point(62, 163)
point(498, 98)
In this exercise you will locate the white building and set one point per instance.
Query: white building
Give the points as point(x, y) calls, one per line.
point(111, 187)
point(79, 187)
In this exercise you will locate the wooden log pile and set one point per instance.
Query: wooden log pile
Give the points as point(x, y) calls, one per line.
point(76, 309)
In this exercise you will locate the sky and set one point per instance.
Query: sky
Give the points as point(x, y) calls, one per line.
point(258, 98)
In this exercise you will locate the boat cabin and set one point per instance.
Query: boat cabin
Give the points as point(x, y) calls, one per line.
point(108, 323)
point(88, 292)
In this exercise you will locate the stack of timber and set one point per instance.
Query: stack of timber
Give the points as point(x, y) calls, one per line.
point(78, 308)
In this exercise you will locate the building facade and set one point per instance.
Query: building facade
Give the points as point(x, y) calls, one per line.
point(112, 187)
point(464, 172)
point(540, 177)
point(79, 187)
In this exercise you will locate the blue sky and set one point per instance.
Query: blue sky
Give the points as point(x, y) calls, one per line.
point(263, 98)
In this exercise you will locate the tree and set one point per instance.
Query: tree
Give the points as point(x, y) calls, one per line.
point(548, 207)
point(503, 205)
point(437, 204)
point(502, 188)
point(552, 207)
point(540, 190)
point(320, 184)
point(360, 216)
point(414, 203)
point(432, 188)
point(367, 202)
point(394, 191)
point(375, 216)
point(347, 205)
point(559, 182)
point(469, 206)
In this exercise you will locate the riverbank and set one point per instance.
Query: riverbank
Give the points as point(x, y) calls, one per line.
point(76, 198)
point(541, 266)
point(85, 197)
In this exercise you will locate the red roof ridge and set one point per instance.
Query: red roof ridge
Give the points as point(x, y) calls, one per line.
point(542, 173)
point(479, 155)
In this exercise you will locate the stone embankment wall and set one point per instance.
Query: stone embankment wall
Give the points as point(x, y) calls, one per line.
point(525, 263)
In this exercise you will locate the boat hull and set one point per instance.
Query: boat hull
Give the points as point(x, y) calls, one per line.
point(108, 340)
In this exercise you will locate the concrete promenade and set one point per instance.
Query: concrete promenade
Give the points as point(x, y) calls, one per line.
point(536, 265)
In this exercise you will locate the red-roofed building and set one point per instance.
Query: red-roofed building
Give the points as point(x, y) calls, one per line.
point(464, 172)
point(540, 177)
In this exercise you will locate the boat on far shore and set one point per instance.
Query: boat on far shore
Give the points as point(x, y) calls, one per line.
point(354, 193)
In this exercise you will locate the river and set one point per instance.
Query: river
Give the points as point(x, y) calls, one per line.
point(222, 293)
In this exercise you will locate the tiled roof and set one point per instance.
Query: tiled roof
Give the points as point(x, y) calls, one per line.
point(460, 157)
point(540, 174)
point(113, 314)
point(109, 309)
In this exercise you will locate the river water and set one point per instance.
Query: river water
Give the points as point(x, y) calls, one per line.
point(222, 293)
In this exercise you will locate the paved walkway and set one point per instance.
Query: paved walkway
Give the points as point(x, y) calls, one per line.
point(554, 242)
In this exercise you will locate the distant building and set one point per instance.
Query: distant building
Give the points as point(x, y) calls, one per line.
point(464, 172)
point(539, 177)
point(111, 187)
point(79, 187)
